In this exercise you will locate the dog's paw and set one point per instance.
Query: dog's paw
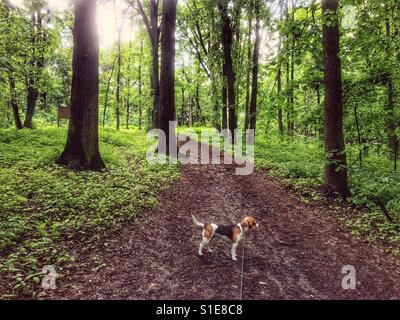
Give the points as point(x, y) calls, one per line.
point(209, 250)
point(200, 253)
point(234, 258)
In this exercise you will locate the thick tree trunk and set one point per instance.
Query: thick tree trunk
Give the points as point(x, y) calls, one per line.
point(36, 67)
point(227, 39)
point(279, 75)
point(151, 24)
point(32, 97)
point(167, 76)
point(155, 76)
point(390, 103)
point(335, 168)
point(82, 147)
point(14, 102)
point(254, 85)
point(248, 72)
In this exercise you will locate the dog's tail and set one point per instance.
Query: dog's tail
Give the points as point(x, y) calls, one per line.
point(197, 223)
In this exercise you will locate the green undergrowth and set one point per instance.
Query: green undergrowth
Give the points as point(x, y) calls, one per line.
point(300, 161)
point(43, 205)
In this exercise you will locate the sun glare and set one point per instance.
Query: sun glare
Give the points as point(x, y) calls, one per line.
point(108, 18)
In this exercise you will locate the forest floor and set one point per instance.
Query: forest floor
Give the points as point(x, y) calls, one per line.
point(297, 253)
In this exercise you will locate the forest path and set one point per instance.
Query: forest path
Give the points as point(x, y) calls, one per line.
point(297, 253)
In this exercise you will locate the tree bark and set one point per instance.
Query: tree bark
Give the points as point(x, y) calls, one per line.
point(119, 64)
point(14, 102)
point(224, 106)
point(128, 109)
point(82, 147)
point(36, 66)
point(279, 75)
point(280, 115)
point(227, 40)
point(140, 85)
point(335, 168)
point(108, 91)
point(248, 72)
point(154, 35)
point(254, 85)
point(390, 103)
point(167, 76)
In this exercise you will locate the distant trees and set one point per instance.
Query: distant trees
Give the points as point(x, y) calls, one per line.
point(82, 148)
point(25, 41)
point(335, 150)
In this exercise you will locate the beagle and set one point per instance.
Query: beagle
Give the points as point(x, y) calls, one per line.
point(234, 233)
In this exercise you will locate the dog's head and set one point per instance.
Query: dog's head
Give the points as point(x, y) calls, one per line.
point(249, 223)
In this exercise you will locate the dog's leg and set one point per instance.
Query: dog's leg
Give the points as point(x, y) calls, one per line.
point(233, 251)
point(202, 245)
point(209, 245)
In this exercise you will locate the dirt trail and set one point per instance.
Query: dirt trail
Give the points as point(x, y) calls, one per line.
point(298, 252)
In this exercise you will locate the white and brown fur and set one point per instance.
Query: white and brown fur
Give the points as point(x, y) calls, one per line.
point(233, 233)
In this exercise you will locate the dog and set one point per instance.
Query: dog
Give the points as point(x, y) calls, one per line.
point(234, 233)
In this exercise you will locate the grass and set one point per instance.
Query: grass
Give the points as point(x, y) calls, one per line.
point(301, 161)
point(42, 204)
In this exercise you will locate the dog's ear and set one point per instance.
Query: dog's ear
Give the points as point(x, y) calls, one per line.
point(245, 224)
point(253, 223)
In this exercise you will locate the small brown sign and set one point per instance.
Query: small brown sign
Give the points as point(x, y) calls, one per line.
point(63, 113)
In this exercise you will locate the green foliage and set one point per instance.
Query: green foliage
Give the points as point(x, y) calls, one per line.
point(42, 203)
point(300, 161)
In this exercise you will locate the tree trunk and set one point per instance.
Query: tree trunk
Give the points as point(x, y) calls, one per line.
point(224, 106)
point(335, 168)
point(254, 85)
point(279, 75)
point(248, 71)
point(227, 39)
point(182, 120)
point(108, 91)
point(154, 35)
point(140, 85)
point(82, 147)
point(390, 113)
point(215, 117)
point(118, 90)
point(155, 75)
point(36, 66)
point(190, 110)
point(167, 76)
point(14, 102)
point(280, 115)
point(128, 107)
point(11, 78)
